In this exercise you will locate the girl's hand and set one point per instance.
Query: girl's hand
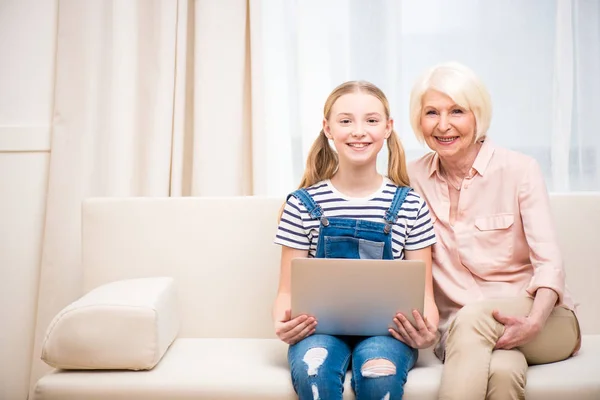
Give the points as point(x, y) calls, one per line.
point(291, 331)
point(421, 337)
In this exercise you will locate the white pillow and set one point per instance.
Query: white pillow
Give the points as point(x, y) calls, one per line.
point(126, 324)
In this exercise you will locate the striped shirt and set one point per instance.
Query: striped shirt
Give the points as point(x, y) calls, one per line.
point(412, 230)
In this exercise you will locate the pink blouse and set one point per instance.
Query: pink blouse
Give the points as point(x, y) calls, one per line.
point(502, 243)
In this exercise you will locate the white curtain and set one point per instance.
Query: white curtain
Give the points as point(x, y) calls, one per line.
point(539, 59)
point(301, 50)
point(205, 97)
point(151, 99)
point(584, 146)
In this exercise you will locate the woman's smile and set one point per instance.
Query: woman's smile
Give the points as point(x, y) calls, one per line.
point(446, 140)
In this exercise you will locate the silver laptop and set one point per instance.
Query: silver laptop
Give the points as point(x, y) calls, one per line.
point(356, 297)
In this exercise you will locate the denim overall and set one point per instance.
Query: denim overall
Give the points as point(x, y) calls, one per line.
point(319, 362)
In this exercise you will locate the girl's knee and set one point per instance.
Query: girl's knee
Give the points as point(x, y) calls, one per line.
point(308, 362)
point(380, 379)
point(377, 368)
point(314, 358)
point(318, 368)
point(313, 378)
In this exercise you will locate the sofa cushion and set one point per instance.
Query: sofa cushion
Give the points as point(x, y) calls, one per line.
point(220, 369)
point(126, 324)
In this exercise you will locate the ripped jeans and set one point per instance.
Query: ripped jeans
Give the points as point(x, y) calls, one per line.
point(380, 365)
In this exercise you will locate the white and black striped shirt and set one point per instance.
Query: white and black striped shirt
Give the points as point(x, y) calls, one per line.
point(413, 229)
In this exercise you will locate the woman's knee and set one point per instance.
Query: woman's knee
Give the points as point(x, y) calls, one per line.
point(473, 312)
point(508, 375)
point(476, 318)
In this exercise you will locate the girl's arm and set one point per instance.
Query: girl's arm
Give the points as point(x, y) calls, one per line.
point(289, 330)
point(283, 299)
point(430, 308)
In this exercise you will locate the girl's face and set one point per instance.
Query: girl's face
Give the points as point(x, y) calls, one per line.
point(448, 129)
point(358, 126)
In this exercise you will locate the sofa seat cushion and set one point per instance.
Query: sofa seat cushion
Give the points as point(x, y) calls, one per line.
point(219, 369)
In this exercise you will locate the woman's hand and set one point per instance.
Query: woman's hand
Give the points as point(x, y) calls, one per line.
point(421, 337)
point(517, 331)
point(291, 331)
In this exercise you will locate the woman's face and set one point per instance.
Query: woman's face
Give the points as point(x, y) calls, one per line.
point(448, 129)
point(358, 126)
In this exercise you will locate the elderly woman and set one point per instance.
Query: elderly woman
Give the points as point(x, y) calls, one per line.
point(497, 268)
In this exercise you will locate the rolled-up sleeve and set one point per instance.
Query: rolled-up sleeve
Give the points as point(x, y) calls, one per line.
point(540, 233)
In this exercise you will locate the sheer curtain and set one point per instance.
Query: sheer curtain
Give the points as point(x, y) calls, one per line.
point(539, 59)
point(301, 50)
point(584, 146)
point(205, 97)
point(151, 99)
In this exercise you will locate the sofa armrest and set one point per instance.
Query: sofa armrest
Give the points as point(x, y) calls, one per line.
point(126, 324)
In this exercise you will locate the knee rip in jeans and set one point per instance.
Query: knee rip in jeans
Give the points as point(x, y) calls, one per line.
point(314, 358)
point(378, 368)
point(315, 392)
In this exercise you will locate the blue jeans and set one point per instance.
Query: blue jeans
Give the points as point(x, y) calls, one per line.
point(319, 363)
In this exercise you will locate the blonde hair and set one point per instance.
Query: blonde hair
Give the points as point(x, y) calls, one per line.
point(458, 82)
point(322, 162)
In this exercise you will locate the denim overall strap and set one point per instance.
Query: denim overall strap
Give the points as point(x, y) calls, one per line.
point(391, 215)
point(314, 210)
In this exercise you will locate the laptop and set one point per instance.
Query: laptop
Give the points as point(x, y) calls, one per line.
point(356, 296)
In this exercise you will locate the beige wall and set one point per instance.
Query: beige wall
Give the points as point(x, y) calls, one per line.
point(27, 40)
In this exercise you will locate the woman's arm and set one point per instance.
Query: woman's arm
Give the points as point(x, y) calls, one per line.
point(543, 304)
point(548, 283)
point(430, 308)
point(544, 252)
point(521, 330)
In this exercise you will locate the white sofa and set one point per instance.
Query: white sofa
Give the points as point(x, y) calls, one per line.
point(220, 253)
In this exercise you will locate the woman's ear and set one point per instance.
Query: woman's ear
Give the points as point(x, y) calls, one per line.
point(327, 129)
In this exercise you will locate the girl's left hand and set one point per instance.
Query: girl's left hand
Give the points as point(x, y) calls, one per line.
point(421, 337)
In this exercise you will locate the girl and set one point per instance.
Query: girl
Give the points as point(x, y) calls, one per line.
point(338, 190)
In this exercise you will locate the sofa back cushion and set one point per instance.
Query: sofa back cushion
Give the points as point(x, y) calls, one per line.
point(220, 251)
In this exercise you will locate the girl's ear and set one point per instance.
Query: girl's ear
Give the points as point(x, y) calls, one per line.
point(389, 128)
point(326, 129)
